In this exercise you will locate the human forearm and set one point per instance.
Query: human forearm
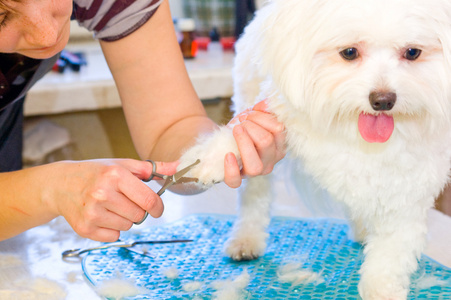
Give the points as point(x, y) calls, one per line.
point(160, 104)
point(98, 198)
point(22, 201)
point(163, 112)
point(179, 137)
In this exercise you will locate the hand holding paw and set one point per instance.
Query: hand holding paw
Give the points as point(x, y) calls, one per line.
point(250, 145)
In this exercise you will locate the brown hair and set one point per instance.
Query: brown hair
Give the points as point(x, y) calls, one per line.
point(4, 4)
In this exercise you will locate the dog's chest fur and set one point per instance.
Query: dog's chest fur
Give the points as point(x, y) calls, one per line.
point(359, 173)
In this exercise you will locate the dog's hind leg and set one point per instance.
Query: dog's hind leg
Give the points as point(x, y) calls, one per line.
point(248, 240)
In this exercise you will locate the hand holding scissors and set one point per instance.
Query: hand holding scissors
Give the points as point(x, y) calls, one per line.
point(169, 180)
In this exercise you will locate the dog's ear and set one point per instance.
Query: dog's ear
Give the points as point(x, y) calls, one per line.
point(435, 18)
point(282, 40)
point(281, 51)
point(442, 26)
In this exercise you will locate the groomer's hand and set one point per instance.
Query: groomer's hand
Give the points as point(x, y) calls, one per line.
point(261, 142)
point(100, 198)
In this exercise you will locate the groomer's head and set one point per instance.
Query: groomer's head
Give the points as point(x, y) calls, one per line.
point(37, 29)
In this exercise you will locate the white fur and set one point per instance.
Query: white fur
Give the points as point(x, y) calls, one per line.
point(118, 288)
point(192, 286)
point(290, 54)
point(295, 274)
point(232, 289)
point(209, 147)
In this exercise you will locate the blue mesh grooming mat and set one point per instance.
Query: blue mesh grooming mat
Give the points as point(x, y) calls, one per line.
point(322, 245)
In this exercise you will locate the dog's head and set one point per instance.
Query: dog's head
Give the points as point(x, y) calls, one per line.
point(361, 67)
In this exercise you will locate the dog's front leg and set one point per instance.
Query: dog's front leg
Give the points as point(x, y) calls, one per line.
point(248, 240)
point(393, 246)
point(211, 150)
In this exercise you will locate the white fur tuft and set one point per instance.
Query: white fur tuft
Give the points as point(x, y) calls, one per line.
point(211, 150)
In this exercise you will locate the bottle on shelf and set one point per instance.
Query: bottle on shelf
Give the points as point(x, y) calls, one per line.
point(188, 44)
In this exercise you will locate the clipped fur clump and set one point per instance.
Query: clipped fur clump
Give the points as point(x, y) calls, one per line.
point(34, 288)
point(232, 289)
point(294, 273)
point(171, 273)
point(117, 288)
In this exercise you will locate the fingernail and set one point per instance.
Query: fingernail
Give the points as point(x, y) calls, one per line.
point(261, 106)
point(228, 158)
point(243, 117)
point(238, 129)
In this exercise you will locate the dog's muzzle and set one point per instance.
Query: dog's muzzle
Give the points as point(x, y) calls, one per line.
point(382, 100)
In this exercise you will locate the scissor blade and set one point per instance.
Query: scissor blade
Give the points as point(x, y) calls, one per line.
point(162, 242)
point(183, 171)
point(176, 177)
point(147, 252)
point(141, 252)
point(170, 181)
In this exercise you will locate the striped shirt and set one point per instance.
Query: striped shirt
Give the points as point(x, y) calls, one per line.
point(114, 19)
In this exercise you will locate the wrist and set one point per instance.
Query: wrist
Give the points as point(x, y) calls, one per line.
point(50, 181)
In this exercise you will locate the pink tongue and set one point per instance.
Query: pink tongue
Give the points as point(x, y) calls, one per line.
point(375, 129)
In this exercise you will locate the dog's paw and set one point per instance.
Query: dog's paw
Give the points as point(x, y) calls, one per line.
point(210, 150)
point(246, 246)
point(381, 288)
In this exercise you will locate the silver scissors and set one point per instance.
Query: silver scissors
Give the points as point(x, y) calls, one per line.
point(170, 180)
point(120, 244)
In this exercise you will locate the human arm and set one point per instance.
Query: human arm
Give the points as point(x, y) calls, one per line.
point(36, 195)
point(98, 198)
point(160, 104)
point(162, 109)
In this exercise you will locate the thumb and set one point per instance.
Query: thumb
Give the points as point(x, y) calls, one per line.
point(261, 106)
point(143, 169)
point(167, 168)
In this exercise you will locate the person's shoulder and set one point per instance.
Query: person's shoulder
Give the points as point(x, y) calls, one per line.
point(113, 19)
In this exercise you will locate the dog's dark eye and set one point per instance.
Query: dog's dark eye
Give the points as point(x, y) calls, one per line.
point(349, 53)
point(412, 53)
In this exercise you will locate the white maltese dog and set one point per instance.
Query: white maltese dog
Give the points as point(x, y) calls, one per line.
point(363, 88)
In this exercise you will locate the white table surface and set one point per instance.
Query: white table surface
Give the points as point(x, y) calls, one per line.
point(37, 253)
point(93, 87)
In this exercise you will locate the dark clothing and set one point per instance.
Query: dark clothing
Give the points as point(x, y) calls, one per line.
point(17, 75)
point(11, 124)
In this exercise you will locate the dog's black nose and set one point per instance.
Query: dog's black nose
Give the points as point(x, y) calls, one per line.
point(382, 100)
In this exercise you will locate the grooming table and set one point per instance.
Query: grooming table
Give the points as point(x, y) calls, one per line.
point(320, 245)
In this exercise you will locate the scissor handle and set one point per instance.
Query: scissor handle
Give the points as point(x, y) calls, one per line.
point(154, 169)
point(154, 172)
point(72, 252)
point(146, 214)
point(77, 252)
point(170, 180)
point(143, 219)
